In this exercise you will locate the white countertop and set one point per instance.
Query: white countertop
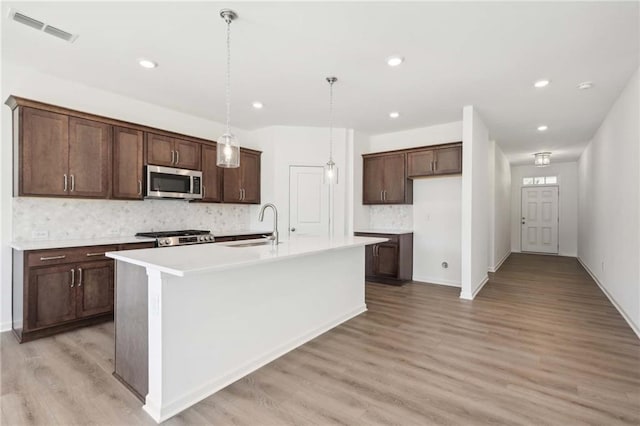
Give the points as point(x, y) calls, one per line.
point(241, 232)
point(200, 258)
point(385, 231)
point(51, 244)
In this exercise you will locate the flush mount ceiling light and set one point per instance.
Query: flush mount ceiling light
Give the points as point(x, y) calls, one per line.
point(585, 85)
point(542, 159)
point(394, 61)
point(330, 169)
point(541, 83)
point(41, 26)
point(543, 128)
point(228, 151)
point(257, 105)
point(146, 63)
point(394, 114)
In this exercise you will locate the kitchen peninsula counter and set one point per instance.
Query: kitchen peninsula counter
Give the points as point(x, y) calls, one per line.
point(191, 320)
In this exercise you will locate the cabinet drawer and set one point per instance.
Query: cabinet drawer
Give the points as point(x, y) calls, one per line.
point(137, 246)
point(67, 255)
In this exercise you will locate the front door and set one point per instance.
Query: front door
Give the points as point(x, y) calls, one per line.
point(539, 220)
point(308, 201)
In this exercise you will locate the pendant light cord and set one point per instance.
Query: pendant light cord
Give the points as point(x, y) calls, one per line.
point(228, 88)
point(331, 121)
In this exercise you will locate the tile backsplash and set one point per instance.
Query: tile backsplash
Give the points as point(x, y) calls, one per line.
point(64, 219)
point(391, 217)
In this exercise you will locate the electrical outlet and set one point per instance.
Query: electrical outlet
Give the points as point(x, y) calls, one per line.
point(39, 234)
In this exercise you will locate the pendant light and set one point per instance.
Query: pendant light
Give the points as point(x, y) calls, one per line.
point(228, 155)
point(542, 159)
point(330, 169)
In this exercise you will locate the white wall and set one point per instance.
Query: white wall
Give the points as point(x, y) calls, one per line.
point(567, 210)
point(28, 83)
point(435, 216)
point(285, 146)
point(499, 207)
point(609, 200)
point(475, 202)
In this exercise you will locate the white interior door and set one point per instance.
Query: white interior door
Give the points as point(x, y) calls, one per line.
point(540, 219)
point(308, 201)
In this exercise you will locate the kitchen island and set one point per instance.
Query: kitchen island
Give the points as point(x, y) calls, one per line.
point(191, 320)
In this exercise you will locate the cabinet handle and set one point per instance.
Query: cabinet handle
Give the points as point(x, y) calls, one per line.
point(54, 257)
point(435, 165)
point(204, 191)
point(177, 157)
point(172, 157)
point(381, 195)
point(384, 193)
point(95, 254)
point(73, 183)
point(73, 277)
point(244, 194)
point(240, 197)
point(80, 277)
point(65, 183)
point(431, 167)
point(139, 187)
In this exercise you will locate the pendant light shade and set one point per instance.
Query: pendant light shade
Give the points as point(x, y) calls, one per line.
point(228, 150)
point(330, 168)
point(542, 159)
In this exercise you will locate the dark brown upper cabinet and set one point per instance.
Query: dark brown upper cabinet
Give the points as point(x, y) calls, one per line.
point(385, 179)
point(242, 184)
point(211, 175)
point(168, 151)
point(432, 161)
point(128, 156)
point(61, 155)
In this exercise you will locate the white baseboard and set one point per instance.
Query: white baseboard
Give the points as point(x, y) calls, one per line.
point(437, 281)
point(496, 267)
point(5, 326)
point(626, 317)
point(471, 296)
point(193, 397)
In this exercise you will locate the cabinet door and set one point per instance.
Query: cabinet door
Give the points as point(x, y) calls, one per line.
point(160, 151)
point(44, 152)
point(187, 154)
point(369, 260)
point(250, 170)
point(372, 180)
point(386, 260)
point(448, 160)
point(89, 158)
point(420, 163)
point(232, 184)
point(94, 288)
point(51, 296)
point(127, 163)
point(211, 175)
point(395, 178)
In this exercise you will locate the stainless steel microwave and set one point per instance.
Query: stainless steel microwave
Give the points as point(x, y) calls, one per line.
point(167, 182)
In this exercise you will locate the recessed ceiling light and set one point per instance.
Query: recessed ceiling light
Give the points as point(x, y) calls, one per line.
point(394, 61)
point(394, 114)
point(257, 105)
point(585, 85)
point(146, 63)
point(543, 128)
point(541, 83)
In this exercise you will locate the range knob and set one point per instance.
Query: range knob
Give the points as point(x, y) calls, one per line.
point(165, 242)
point(210, 238)
point(201, 238)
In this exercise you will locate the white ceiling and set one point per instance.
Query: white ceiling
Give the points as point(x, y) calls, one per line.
point(484, 54)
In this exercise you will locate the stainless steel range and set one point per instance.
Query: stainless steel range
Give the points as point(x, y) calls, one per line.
point(179, 238)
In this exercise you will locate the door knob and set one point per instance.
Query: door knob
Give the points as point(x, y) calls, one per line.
point(293, 229)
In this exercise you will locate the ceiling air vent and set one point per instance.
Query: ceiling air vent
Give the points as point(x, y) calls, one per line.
point(24, 19)
point(59, 33)
point(41, 26)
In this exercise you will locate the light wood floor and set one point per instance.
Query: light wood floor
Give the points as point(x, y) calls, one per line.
point(539, 345)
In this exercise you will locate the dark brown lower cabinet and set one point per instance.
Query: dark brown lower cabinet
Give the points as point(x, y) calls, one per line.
point(55, 290)
point(390, 262)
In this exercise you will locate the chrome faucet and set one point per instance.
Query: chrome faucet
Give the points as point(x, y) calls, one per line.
point(274, 235)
